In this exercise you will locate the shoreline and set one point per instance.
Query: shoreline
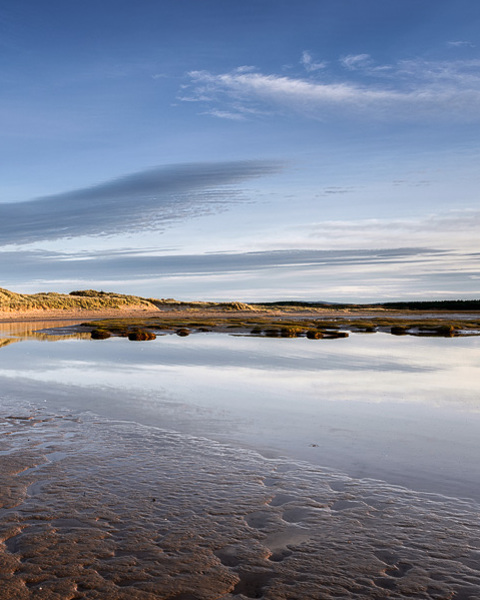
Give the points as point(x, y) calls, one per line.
point(219, 312)
point(141, 323)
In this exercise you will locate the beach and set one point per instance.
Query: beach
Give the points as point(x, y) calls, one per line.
point(99, 509)
point(94, 511)
point(150, 471)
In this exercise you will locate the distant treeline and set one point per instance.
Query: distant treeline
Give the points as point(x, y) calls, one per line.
point(461, 305)
point(433, 305)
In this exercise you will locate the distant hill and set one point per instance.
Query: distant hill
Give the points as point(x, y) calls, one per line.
point(83, 300)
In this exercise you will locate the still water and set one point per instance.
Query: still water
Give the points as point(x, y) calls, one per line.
point(345, 427)
point(405, 410)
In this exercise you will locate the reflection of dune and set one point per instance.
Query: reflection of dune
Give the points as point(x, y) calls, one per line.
point(7, 341)
point(27, 328)
point(37, 330)
point(46, 337)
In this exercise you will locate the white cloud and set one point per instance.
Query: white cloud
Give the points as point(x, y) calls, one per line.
point(356, 61)
point(413, 90)
point(245, 69)
point(225, 114)
point(453, 229)
point(461, 44)
point(309, 64)
point(463, 75)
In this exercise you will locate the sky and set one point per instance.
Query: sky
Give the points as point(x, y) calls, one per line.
point(320, 150)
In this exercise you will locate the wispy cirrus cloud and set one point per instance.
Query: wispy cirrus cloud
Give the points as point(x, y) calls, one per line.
point(150, 199)
point(450, 229)
point(462, 75)
point(356, 61)
point(461, 44)
point(226, 114)
point(354, 274)
point(309, 63)
point(408, 90)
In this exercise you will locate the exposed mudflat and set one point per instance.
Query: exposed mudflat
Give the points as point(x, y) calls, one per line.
point(92, 508)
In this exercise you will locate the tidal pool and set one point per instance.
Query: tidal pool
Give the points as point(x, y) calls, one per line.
point(219, 466)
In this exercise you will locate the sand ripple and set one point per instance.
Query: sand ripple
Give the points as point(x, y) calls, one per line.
point(98, 509)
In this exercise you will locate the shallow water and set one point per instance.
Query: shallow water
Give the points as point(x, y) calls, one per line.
point(404, 410)
point(235, 467)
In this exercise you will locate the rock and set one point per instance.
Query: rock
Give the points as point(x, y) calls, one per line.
point(398, 330)
point(141, 335)
point(183, 332)
point(290, 332)
point(100, 334)
point(271, 332)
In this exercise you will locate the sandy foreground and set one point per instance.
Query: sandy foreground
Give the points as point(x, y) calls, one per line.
point(101, 509)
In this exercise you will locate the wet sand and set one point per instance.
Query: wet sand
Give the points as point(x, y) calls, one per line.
point(92, 508)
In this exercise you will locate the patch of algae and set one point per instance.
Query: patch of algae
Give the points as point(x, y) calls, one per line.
point(286, 326)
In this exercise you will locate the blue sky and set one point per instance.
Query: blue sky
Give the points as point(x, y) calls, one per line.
point(319, 150)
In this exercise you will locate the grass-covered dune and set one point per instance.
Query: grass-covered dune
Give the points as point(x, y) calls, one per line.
point(11, 302)
point(93, 300)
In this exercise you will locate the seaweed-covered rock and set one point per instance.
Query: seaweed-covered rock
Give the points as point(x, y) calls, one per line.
point(446, 330)
point(314, 334)
point(183, 332)
point(398, 330)
point(141, 335)
point(272, 332)
point(290, 332)
point(100, 334)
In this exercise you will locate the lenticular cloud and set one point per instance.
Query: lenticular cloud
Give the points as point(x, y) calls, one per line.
point(149, 199)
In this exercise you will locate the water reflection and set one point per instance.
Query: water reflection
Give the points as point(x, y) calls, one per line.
point(405, 410)
point(379, 368)
point(41, 330)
